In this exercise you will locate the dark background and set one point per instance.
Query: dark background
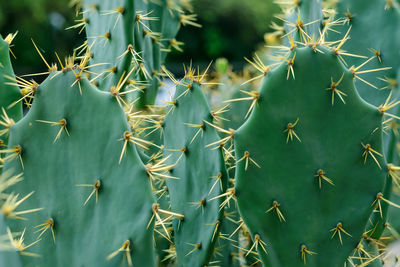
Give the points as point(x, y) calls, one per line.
point(231, 28)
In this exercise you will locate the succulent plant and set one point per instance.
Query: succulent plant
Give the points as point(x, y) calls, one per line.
point(298, 173)
point(287, 177)
point(132, 38)
point(199, 172)
point(86, 183)
point(11, 111)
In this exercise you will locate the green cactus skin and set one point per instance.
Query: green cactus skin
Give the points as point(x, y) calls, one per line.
point(308, 13)
point(372, 255)
point(237, 109)
point(377, 223)
point(245, 243)
point(225, 252)
point(198, 169)
point(382, 46)
point(168, 25)
point(9, 94)
point(384, 22)
point(85, 235)
point(8, 256)
point(108, 38)
point(331, 141)
point(230, 86)
point(393, 216)
point(378, 17)
point(162, 244)
point(143, 32)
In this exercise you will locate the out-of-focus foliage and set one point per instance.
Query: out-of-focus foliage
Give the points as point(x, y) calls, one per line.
point(230, 29)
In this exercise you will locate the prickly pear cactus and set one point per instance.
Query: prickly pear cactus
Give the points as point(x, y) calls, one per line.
point(93, 190)
point(132, 37)
point(226, 252)
point(163, 243)
point(374, 59)
point(311, 149)
point(200, 172)
point(235, 114)
point(382, 18)
point(10, 254)
point(108, 28)
point(367, 254)
point(9, 93)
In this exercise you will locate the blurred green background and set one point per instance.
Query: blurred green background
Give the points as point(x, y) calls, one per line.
point(231, 28)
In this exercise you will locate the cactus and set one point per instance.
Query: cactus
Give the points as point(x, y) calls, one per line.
point(226, 252)
point(106, 25)
point(377, 52)
point(132, 37)
point(200, 172)
point(392, 226)
point(162, 242)
point(9, 253)
point(9, 93)
point(76, 153)
point(235, 115)
point(312, 183)
point(282, 171)
point(375, 60)
point(381, 47)
point(367, 254)
point(350, 52)
point(230, 86)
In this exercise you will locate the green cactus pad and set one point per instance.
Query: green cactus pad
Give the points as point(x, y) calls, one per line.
point(9, 256)
point(69, 140)
point(366, 254)
point(302, 176)
point(364, 18)
point(381, 50)
point(129, 35)
point(200, 171)
point(226, 252)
